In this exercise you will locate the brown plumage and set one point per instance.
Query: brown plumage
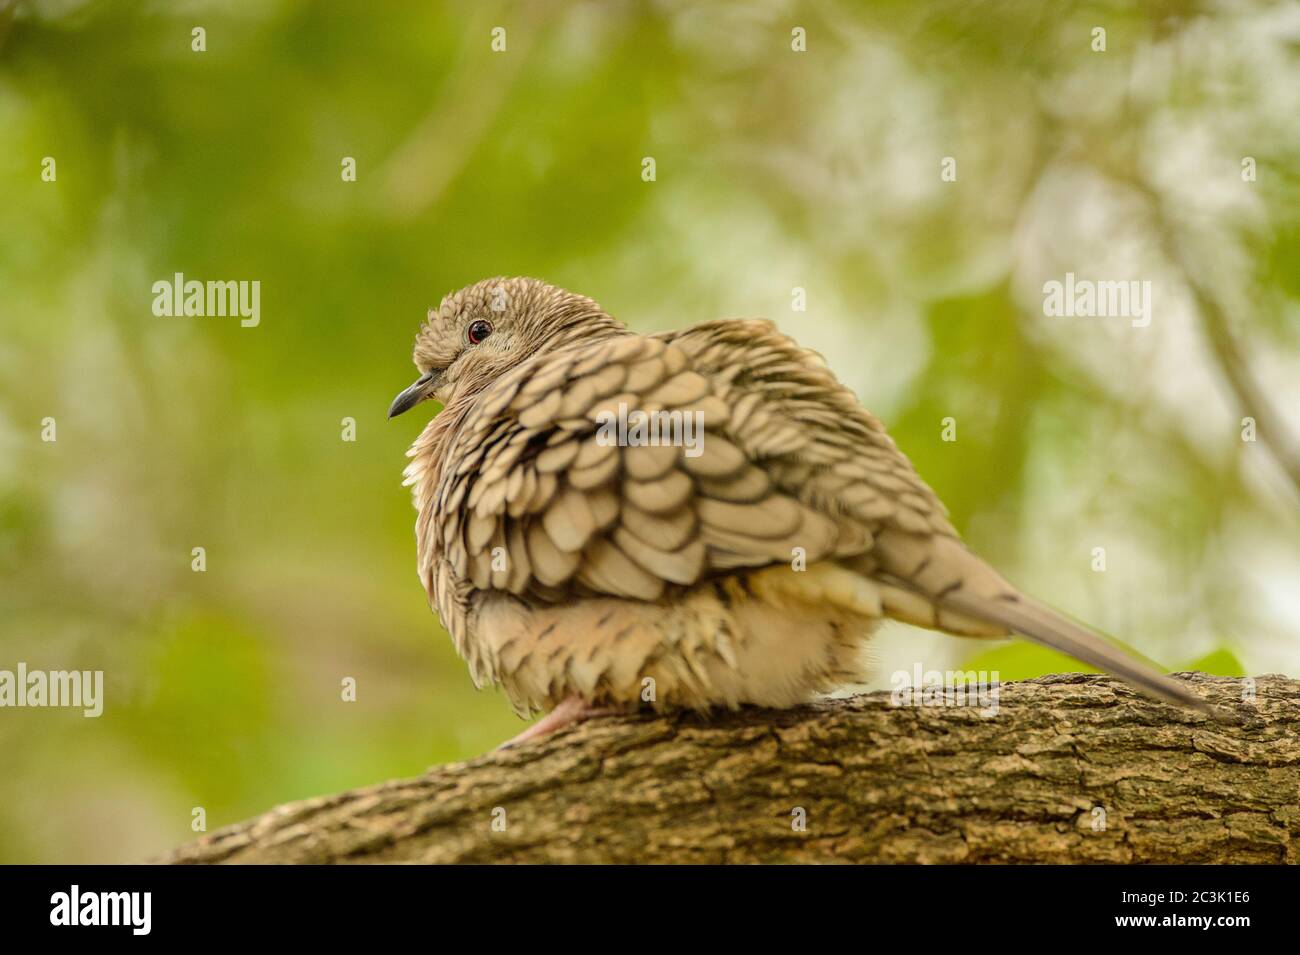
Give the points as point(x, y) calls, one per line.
point(566, 567)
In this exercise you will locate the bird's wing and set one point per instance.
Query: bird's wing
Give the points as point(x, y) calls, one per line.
point(534, 499)
point(814, 440)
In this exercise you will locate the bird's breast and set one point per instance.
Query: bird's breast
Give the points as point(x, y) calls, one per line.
point(771, 637)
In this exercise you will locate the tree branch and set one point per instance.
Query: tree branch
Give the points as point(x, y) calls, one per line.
point(1252, 397)
point(1072, 768)
point(1229, 354)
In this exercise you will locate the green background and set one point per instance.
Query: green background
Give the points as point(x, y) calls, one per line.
point(775, 170)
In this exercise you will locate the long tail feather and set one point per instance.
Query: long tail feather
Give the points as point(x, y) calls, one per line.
point(1049, 628)
point(952, 579)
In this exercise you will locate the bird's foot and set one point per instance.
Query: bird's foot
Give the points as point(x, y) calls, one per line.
point(572, 709)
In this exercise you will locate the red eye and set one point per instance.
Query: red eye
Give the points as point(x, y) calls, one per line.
point(479, 330)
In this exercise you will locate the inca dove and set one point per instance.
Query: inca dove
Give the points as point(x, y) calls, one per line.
point(577, 571)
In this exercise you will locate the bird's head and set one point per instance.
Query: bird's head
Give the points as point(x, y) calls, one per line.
point(485, 329)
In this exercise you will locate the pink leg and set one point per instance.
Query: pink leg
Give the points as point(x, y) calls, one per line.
point(571, 710)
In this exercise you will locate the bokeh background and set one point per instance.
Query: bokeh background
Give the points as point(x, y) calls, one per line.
point(775, 170)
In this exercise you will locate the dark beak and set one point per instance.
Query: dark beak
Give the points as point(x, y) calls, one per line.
point(413, 395)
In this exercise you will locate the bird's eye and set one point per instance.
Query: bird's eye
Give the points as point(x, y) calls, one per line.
point(479, 330)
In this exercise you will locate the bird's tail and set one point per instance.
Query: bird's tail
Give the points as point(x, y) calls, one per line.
point(967, 596)
point(1028, 618)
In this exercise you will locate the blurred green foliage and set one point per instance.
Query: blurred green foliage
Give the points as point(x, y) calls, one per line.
point(776, 170)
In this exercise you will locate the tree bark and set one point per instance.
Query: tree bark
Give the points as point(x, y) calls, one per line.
point(1070, 768)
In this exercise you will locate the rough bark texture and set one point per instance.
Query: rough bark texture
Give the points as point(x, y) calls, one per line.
point(1072, 768)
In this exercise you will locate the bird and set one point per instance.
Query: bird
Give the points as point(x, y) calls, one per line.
point(588, 555)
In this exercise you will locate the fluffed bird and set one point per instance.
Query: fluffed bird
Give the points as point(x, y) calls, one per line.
point(585, 567)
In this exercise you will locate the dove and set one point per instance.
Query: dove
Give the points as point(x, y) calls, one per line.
point(586, 558)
